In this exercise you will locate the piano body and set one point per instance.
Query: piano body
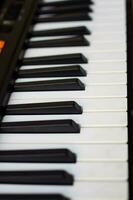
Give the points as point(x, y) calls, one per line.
point(66, 100)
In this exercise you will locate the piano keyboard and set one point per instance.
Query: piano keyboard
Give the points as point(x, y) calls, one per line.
point(64, 132)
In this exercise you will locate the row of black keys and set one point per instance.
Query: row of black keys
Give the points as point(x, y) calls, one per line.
point(63, 11)
point(58, 177)
point(53, 126)
point(53, 85)
point(51, 12)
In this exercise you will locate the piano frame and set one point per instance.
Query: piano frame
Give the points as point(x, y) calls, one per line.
point(129, 8)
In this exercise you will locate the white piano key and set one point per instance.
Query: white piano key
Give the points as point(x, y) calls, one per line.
point(103, 46)
point(101, 36)
point(108, 46)
point(114, 10)
point(96, 18)
point(95, 37)
point(82, 171)
point(105, 190)
point(88, 105)
point(92, 91)
point(84, 152)
point(91, 54)
point(100, 18)
point(93, 119)
point(104, 27)
point(90, 79)
point(92, 67)
point(118, 135)
point(99, 6)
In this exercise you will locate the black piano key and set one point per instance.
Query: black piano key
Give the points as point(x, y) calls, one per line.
point(62, 71)
point(65, 107)
point(56, 59)
point(32, 197)
point(64, 9)
point(79, 16)
point(38, 156)
point(49, 126)
point(65, 42)
point(79, 30)
point(47, 177)
point(64, 3)
point(50, 85)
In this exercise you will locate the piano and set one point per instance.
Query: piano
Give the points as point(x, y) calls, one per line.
point(66, 103)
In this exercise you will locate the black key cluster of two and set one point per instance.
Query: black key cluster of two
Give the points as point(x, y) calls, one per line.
point(69, 10)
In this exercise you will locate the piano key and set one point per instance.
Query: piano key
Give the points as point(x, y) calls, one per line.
point(81, 30)
point(64, 3)
point(50, 85)
point(97, 27)
point(64, 9)
point(65, 71)
point(70, 41)
point(109, 18)
point(119, 45)
point(88, 105)
point(92, 67)
point(65, 107)
point(58, 59)
point(108, 37)
point(53, 126)
point(76, 16)
point(96, 55)
point(32, 197)
point(111, 4)
point(91, 79)
point(93, 119)
point(48, 177)
point(96, 38)
point(77, 42)
point(116, 190)
point(96, 16)
point(97, 152)
point(82, 171)
point(91, 91)
point(116, 135)
point(38, 156)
